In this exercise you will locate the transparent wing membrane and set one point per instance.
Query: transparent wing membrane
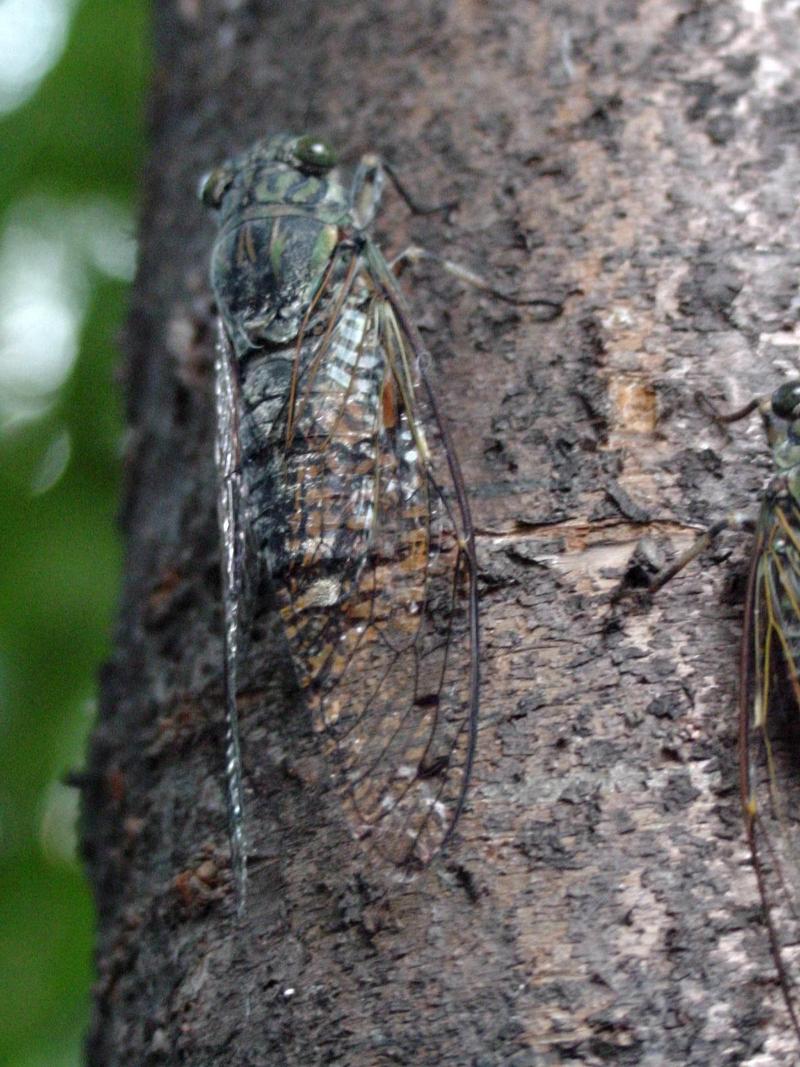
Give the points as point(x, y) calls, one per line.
point(375, 582)
point(233, 546)
point(770, 731)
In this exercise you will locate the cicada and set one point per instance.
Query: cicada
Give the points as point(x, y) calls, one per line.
point(769, 684)
point(338, 475)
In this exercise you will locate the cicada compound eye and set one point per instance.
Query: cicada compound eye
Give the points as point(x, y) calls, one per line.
point(214, 185)
point(314, 153)
point(785, 401)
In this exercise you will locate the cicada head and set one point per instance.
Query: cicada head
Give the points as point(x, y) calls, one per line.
point(265, 171)
point(785, 402)
point(782, 419)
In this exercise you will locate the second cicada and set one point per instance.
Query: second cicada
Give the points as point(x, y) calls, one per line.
point(769, 683)
point(337, 474)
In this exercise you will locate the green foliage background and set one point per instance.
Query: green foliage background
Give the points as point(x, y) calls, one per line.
point(79, 136)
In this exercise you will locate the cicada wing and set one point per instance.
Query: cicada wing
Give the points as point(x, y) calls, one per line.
point(770, 731)
point(377, 585)
point(238, 569)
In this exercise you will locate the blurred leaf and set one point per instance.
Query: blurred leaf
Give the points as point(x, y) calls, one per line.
point(45, 938)
point(77, 142)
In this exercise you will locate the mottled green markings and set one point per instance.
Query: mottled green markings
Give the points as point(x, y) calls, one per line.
point(277, 247)
point(323, 250)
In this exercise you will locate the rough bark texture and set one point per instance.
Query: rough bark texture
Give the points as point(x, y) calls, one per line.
point(639, 159)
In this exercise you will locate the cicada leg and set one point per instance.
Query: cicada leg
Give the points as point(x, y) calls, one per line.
point(733, 521)
point(415, 254)
point(367, 188)
point(414, 206)
point(365, 195)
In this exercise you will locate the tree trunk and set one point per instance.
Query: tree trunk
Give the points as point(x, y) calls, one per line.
point(636, 161)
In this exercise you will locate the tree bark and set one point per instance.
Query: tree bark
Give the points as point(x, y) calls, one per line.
point(636, 162)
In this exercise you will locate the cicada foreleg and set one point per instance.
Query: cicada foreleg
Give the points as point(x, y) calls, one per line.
point(733, 521)
point(367, 188)
point(414, 254)
point(365, 195)
point(366, 192)
point(414, 206)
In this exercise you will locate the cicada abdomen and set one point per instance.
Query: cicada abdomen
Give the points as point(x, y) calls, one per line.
point(349, 491)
